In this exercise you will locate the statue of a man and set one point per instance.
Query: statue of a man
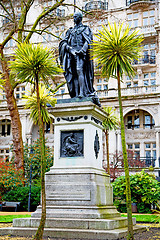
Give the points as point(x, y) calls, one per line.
point(76, 62)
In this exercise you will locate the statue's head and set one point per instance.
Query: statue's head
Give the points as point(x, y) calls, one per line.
point(77, 17)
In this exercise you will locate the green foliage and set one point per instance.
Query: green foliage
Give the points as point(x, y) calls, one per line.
point(111, 121)
point(9, 218)
point(35, 159)
point(115, 50)
point(45, 99)
point(10, 177)
point(145, 190)
point(32, 60)
point(20, 194)
point(149, 218)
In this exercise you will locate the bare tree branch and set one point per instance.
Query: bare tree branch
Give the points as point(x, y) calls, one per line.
point(7, 18)
point(5, 9)
point(42, 15)
point(13, 12)
point(7, 38)
point(22, 20)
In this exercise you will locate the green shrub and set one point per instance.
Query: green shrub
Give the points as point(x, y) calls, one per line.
point(35, 160)
point(145, 190)
point(10, 177)
point(20, 194)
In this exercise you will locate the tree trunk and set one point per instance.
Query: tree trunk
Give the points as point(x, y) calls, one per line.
point(39, 233)
point(15, 118)
point(107, 148)
point(126, 168)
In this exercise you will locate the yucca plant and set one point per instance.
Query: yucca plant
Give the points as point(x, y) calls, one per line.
point(114, 51)
point(45, 99)
point(33, 63)
point(110, 123)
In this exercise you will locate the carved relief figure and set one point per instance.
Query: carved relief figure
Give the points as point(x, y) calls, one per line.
point(72, 144)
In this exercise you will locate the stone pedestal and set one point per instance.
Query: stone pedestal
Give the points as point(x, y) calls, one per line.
point(77, 186)
point(79, 196)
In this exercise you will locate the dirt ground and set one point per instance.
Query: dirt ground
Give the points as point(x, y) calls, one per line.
point(152, 233)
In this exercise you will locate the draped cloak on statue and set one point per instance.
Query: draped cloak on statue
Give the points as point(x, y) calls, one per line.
point(68, 61)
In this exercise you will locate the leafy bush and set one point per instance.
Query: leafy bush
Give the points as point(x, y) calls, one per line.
point(20, 194)
point(10, 177)
point(34, 158)
point(145, 190)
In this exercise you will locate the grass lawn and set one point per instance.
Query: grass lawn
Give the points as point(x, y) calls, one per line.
point(145, 218)
point(9, 218)
point(139, 218)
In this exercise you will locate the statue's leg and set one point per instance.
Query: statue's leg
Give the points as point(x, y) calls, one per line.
point(80, 74)
point(76, 87)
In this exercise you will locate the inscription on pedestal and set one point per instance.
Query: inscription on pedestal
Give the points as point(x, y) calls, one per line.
point(72, 143)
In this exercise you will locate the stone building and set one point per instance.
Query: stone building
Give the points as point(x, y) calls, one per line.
point(141, 103)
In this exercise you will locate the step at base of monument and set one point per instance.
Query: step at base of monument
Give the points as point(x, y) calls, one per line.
point(93, 224)
point(72, 234)
point(80, 212)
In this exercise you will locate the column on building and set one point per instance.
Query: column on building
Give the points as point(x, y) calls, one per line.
point(157, 148)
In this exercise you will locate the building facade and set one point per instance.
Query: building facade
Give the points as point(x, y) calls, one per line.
point(141, 95)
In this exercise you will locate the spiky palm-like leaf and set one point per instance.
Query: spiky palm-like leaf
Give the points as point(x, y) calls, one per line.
point(32, 59)
point(111, 121)
point(33, 63)
point(45, 98)
point(116, 48)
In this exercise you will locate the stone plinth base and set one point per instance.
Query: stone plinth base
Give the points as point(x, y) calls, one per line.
point(78, 193)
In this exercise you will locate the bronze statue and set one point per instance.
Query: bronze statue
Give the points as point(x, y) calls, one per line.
point(75, 59)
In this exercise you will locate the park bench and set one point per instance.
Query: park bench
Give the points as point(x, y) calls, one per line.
point(9, 205)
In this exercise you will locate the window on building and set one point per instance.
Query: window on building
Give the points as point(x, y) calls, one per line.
point(149, 79)
point(5, 127)
point(136, 121)
point(150, 153)
point(19, 92)
point(49, 127)
point(128, 84)
point(132, 82)
point(99, 87)
point(148, 17)
point(130, 146)
point(101, 84)
point(105, 86)
point(148, 121)
point(139, 119)
point(135, 84)
point(135, 147)
point(149, 53)
point(133, 20)
point(4, 154)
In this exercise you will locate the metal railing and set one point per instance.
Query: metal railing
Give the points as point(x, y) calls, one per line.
point(128, 2)
point(137, 126)
point(96, 5)
point(141, 162)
